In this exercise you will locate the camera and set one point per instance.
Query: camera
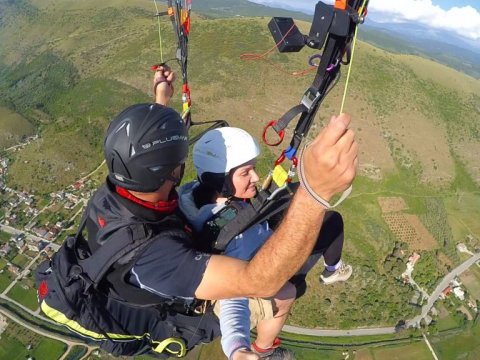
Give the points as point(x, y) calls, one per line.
point(327, 19)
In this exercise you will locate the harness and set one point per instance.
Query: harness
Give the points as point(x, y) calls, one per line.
point(85, 288)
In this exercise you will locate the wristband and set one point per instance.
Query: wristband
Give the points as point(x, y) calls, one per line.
point(304, 183)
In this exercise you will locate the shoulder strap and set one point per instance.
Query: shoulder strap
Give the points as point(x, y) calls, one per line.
point(124, 241)
point(128, 238)
point(250, 215)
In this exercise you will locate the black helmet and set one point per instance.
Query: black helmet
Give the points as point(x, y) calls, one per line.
point(143, 145)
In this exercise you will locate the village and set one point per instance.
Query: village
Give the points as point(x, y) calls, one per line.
point(31, 229)
point(455, 297)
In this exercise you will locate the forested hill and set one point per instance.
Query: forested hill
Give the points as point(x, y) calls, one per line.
point(69, 66)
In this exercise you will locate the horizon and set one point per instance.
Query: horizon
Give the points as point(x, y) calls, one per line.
point(458, 18)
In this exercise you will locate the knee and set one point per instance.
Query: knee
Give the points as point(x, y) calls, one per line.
point(284, 299)
point(334, 220)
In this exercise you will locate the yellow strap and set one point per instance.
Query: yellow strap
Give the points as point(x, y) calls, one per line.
point(59, 317)
point(163, 346)
point(279, 175)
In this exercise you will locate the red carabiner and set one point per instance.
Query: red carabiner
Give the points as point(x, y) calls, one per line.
point(280, 159)
point(281, 134)
point(294, 161)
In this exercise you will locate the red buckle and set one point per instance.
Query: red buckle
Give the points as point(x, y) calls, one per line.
point(281, 134)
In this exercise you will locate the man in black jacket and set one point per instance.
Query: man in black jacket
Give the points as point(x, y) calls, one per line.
point(145, 149)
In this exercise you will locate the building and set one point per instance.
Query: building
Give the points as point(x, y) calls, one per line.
point(446, 292)
point(414, 258)
point(15, 270)
point(5, 249)
point(459, 293)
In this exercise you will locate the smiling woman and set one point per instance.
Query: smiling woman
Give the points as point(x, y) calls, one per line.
point(12, 128)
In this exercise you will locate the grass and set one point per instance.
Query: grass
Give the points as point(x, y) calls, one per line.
point(5, 280)
point(471, 280)
point(3, 263)
point(13, 127)
point(447, 323)
point(459, 346)
point(48, 349)
point(14, 341)
point(26, 297)
point(4, 237)
point(12, 349)
point(418, 351)
point(21, 260)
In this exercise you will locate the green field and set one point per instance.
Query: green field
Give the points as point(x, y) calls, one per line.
point(417, 351)
point(26, 297)
point(15, 339)
point(471, 280)
point(3, 263)
point(48, 349)
point(21, 260)
point(4, 237)
point(13, 127)
point(5, 280)
point(462, 346)
point(447, 323)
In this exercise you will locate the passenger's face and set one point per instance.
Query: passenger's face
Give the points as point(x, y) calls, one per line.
point(244, 179)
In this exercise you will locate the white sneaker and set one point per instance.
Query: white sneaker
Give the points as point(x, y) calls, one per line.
point(343, 273)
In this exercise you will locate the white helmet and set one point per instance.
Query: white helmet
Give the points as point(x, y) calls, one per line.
point(220, 150)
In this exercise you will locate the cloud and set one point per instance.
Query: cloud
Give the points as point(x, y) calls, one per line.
point(463, 21)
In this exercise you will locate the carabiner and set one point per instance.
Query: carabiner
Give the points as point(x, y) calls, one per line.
point(281, 134)
point(280, 159)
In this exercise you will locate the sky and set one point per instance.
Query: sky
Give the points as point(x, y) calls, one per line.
point(461, 17)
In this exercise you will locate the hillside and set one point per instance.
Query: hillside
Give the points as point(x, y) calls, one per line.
point(69, 66)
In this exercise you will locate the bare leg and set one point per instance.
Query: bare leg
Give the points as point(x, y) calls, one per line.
point(267, 330)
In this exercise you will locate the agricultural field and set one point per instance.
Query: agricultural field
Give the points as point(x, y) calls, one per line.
point(5, 279)
point(418, 350)
point(25, 293)
point(21, 260)
point(410, 230)
point(471, 280)
point(4, 237)
point(458, 346)
point(18, 343)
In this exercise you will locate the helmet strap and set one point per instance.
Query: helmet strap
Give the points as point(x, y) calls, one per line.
point(177, 180)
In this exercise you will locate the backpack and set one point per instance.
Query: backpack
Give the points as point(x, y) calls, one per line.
point(70, 293)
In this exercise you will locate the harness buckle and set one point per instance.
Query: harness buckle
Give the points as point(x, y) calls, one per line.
point(310, 98)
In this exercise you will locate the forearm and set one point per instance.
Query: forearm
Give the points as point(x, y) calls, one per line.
point(288, 248)
point(162, 99)
point(234, 325)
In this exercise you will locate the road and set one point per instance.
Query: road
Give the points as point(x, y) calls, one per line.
point(31, 236)
point(339, 333)
point(443, 284)
point(22, 274)
point(389, 330)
